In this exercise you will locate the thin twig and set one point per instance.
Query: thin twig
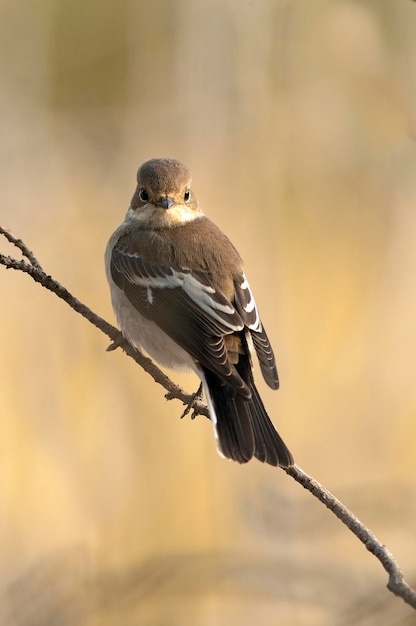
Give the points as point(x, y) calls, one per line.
point(396, 583)
point(22, 247)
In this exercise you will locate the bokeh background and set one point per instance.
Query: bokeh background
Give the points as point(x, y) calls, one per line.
point(298, 120)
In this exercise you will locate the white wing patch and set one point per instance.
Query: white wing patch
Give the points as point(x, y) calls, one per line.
point(202, 295)
point(149, 295)
point(250, 305)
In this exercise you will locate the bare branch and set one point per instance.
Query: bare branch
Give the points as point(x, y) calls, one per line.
point(396, 583)
point(36, 272)
point(22, 247)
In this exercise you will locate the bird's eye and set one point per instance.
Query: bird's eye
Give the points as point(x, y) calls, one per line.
point(187, 195)
point(143, 195)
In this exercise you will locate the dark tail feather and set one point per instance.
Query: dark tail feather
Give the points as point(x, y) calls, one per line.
point(231, 419)
point(243, 427)
point(269, 446)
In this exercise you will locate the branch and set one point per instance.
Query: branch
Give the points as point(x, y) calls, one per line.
point(396, 583)
point(35, 271)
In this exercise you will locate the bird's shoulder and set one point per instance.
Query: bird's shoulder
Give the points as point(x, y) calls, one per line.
point(197, 245)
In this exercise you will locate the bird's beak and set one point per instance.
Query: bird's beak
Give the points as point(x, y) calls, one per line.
point(165, 203)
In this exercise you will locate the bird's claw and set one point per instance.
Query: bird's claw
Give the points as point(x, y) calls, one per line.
point(196, 397)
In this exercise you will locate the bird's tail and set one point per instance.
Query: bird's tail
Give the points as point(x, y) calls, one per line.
point(242, 427)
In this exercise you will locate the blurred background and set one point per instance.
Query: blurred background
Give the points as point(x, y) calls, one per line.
point(298, 120)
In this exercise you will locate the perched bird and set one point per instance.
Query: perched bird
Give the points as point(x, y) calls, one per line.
point(179, 292)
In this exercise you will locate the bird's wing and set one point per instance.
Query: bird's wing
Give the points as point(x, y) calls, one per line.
point(246, 307)
point(185, 304)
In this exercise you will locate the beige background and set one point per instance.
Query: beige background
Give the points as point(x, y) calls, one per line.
point(298, 121)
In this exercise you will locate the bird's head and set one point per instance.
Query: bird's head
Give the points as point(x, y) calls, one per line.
point(163, 196)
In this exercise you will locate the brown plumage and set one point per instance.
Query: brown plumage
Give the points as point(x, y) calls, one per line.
point(179, 292)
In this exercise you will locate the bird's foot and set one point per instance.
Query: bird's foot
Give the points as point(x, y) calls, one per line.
point(196, 397)
point(119, 341)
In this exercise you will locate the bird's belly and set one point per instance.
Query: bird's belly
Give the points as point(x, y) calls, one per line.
point(146, 335)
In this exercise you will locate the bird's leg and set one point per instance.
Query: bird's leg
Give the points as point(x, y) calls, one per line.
point(119, 341)
point(196, 397)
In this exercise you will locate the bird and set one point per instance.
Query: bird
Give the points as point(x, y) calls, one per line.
point(179, 292)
